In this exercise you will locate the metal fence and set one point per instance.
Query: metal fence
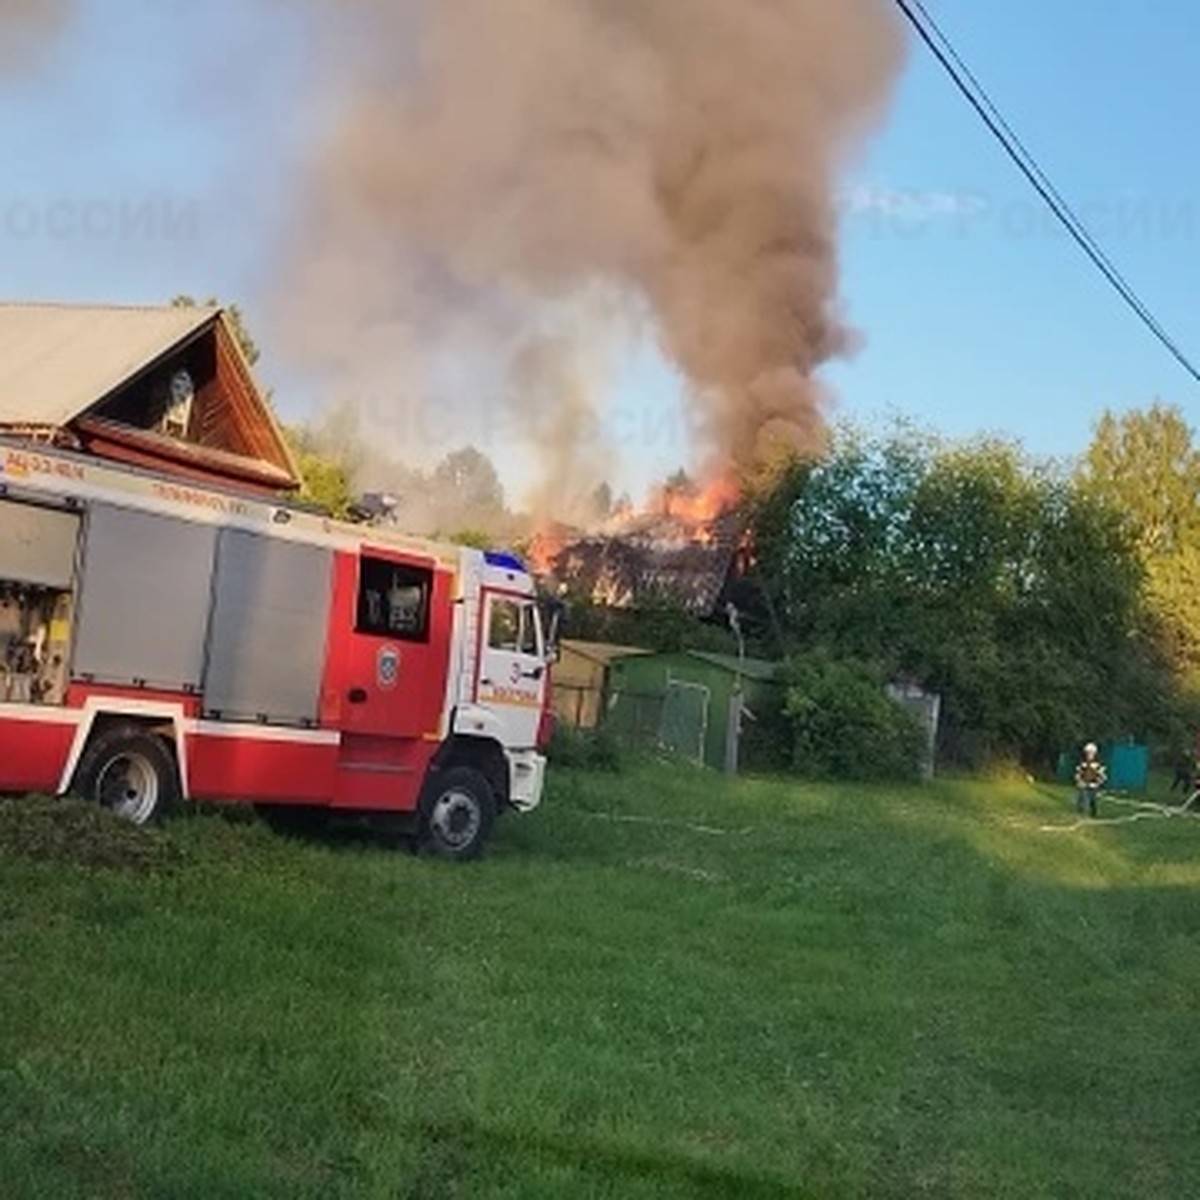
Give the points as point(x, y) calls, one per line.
point(675, 720)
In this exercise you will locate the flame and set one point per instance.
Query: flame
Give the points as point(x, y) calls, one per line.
point(678, 516)
point(699, 506)
point(545, 546)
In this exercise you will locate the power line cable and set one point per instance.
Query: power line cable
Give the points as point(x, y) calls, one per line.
point(1009, 132)
point(1062, 209)
point(1016, 149)
point(970, 87)
point(1011, 143)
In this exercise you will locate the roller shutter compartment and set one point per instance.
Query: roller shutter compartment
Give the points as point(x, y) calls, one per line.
point(145, 598)
point(266, 650)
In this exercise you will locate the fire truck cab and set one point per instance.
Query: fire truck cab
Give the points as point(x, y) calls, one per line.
point(162, 642)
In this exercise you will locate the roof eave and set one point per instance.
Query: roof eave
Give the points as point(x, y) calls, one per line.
point(159, 447)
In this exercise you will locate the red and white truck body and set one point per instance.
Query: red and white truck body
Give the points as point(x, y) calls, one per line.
point(282, 658)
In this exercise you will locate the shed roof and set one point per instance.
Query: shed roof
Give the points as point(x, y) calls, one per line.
point(751, 668)
point(601, 652)
point(58, 360)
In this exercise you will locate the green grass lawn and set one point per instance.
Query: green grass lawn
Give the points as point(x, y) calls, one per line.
point(658, 985)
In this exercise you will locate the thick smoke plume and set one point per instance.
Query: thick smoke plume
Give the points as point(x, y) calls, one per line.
point(497, 165)
point(28, 27)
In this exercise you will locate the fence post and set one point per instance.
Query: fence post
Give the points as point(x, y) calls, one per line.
point(733, 731)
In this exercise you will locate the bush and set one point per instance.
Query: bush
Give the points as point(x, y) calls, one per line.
point(843, 725)
point(584, 749)
point(766, 744)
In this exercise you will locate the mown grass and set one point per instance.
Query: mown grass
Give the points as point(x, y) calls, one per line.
point(658, 985)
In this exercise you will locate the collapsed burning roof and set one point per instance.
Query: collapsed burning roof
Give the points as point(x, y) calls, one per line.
point(634, 560)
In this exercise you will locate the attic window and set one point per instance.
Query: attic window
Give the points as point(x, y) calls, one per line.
point(174, 398)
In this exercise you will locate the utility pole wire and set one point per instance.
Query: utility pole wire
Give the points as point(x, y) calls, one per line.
point(970, 87)
point(1027, 158)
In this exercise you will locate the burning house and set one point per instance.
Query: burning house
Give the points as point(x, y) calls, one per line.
point(689, 547)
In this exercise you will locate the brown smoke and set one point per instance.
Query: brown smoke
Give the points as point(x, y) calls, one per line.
point(494, 162)
point(27, 27)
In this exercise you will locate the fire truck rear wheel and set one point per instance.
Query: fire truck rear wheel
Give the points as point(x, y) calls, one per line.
point(130, 772)
point(457, 814)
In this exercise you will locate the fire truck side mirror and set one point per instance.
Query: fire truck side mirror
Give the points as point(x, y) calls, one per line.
point(556, 610)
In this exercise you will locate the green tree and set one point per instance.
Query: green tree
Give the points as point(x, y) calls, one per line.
point(325, 480)
point(1145, 466)
point(828, 536)
point(996, 581)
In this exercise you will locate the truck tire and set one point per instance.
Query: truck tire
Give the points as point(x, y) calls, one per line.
point(131, 772)
point(457, 813)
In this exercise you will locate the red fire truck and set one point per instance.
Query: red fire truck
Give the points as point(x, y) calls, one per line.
point(162, 642)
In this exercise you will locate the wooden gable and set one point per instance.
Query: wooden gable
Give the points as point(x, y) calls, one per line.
point(182, 399)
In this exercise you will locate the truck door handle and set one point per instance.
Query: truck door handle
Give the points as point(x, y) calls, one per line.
point(357, 695)
point(486, 682)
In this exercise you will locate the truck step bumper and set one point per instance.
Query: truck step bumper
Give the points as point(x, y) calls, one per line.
point(528, 777)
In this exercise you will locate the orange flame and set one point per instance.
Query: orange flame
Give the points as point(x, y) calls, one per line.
point(544, 548)
point(699, 506)
point(676, 515)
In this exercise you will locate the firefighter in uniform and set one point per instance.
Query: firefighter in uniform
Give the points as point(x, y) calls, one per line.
point(1090, 777)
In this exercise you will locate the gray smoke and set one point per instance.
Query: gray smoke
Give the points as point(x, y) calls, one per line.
point(28, 28)
point(500, 191)
point(492, 161)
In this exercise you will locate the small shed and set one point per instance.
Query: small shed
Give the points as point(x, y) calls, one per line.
point(580, 679)
point(694, 690)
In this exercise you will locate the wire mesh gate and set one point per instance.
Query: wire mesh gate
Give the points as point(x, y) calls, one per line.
point(684, 724)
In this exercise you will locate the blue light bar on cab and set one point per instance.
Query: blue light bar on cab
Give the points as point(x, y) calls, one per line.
point(504, 560)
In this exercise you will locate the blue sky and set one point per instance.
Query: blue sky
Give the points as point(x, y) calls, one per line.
point(145, 156)
point(984, 316)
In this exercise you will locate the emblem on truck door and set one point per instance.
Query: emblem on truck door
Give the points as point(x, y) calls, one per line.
point(387, 667)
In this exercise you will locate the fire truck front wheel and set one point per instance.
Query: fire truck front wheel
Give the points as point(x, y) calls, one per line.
point(457, 813)
point(130, 772)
